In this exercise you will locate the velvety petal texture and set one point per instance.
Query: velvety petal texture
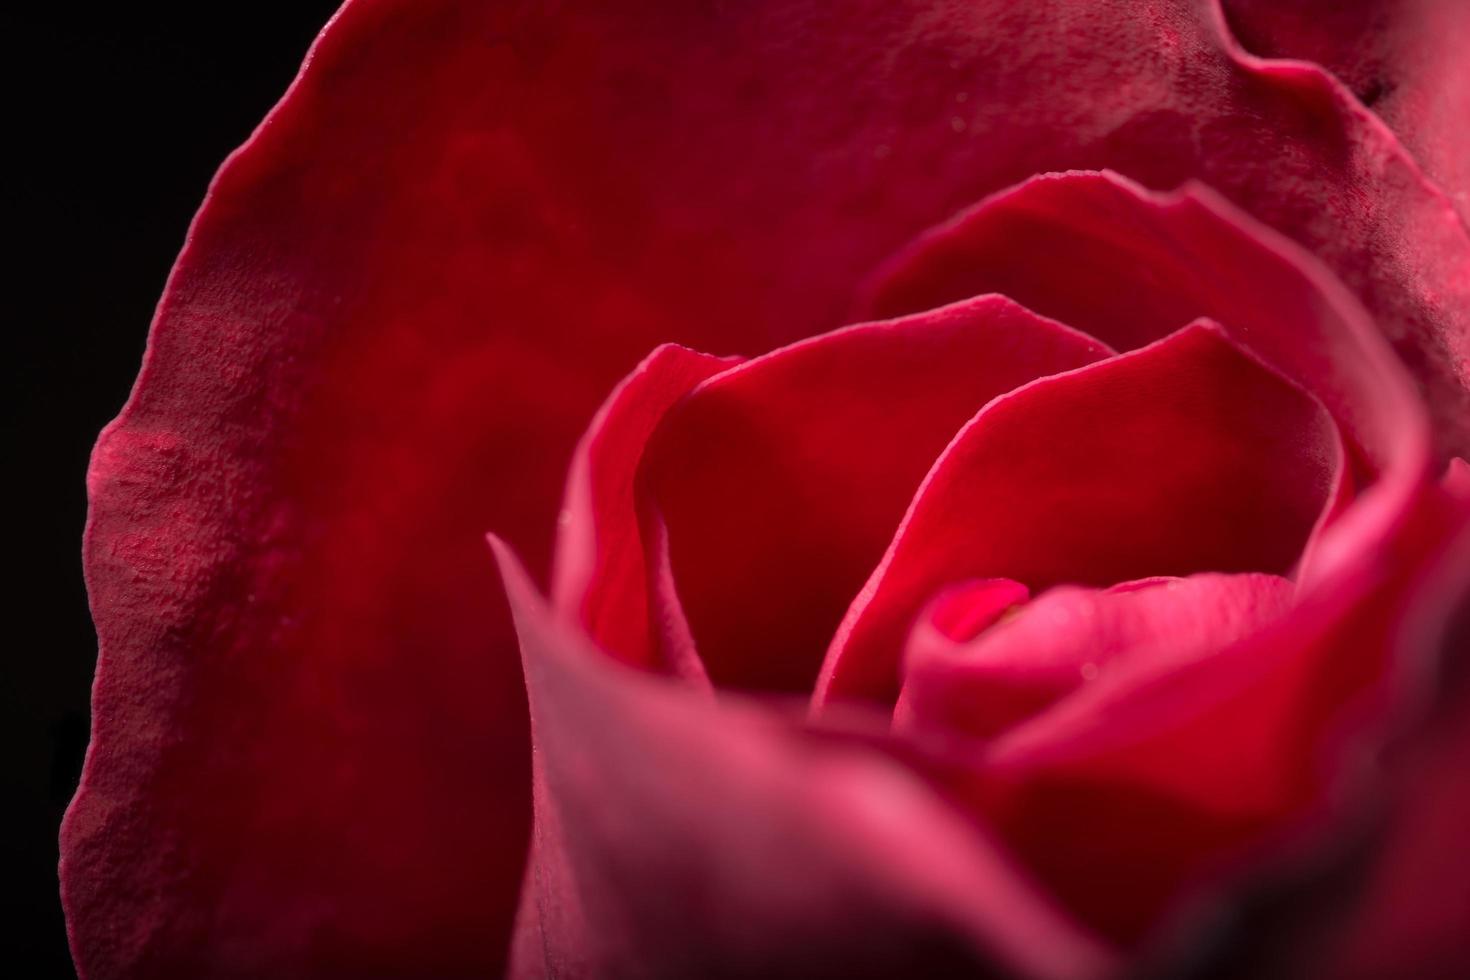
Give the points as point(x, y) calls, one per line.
point(401, 303)
point(1403, 59)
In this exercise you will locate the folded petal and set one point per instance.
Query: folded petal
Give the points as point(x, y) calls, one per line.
point(1139, 800)
point(777, 484)
point(1186, 456)
point(1456, 480)
point(962, 612)
point(1069, 637)
point(1404, 60)
point(1380, 891)
point(600, 576)
point(1129, 266)
point(679, 838)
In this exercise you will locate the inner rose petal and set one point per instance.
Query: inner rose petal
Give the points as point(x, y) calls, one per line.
point(774, 487)
point(961, 613)
point(1069, 637)
point(1186, 456)
point(599, 574)
point(1172, 776)
point(1129, 265)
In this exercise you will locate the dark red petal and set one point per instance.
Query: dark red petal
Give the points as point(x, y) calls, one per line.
point(1071, 636)
point(1129, 266)
point(397, 309)
point(1457, 478)
point(599, 577)
point(1382, 893)
point(679, 838)
point(1408, 916)
point(1403, 59)
point(1130, 799)
point(778, 484)
point(1186, 456)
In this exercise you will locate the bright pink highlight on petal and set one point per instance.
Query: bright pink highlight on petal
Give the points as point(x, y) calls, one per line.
point(963, 611)
point(1071, 636)
point(776, 485)
point(1182, 457)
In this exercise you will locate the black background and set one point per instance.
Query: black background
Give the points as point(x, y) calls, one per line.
point(116, 117)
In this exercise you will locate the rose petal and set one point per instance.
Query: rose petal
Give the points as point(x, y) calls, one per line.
point(778, 483)
point(1197, 775)
point(679, 838)
point(1456, 479)
point(1380, 891)
point(1188, 251)
point(1069, 637)
point(397, 309)
point(1408, 916)
point(1404, 60)
point(599, 577)
point(1183, 457)
point(962, 612)
point(1102, 254)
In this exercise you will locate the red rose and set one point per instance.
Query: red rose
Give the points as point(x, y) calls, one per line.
point(1019, 550)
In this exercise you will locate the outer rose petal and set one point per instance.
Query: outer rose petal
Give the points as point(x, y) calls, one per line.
point(1069, 637)
point(1403, 59)
point(775, 486)
point(678, 838)
point(399, 305)
point(1182, 457)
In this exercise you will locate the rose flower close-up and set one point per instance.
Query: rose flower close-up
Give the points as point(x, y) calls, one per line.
point(923, 488)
